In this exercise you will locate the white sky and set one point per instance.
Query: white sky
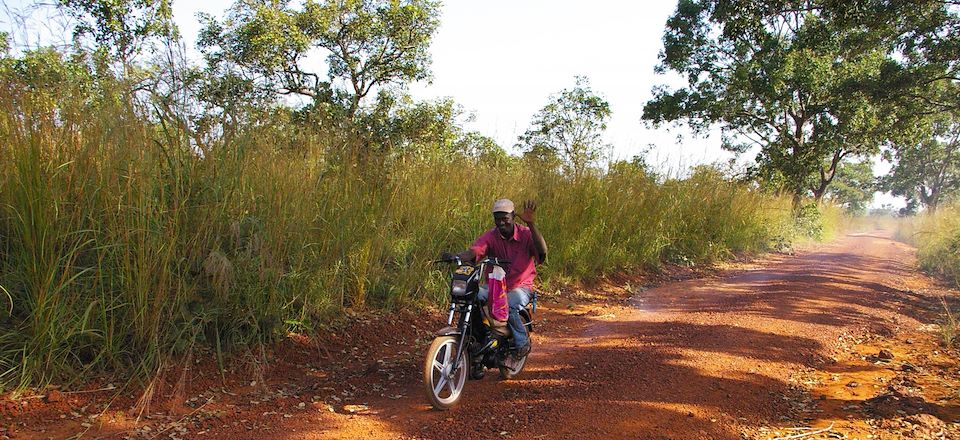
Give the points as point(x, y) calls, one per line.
point(501, 60)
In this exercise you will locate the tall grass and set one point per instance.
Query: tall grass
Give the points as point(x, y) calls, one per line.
point(120, 244)
point(937, 238)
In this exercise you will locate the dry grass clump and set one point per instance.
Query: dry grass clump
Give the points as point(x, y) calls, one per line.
point(948, 326)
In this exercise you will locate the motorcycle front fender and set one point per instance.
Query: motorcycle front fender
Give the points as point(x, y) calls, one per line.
point(448, 331)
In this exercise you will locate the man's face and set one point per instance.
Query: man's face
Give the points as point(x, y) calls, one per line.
point(504, 223)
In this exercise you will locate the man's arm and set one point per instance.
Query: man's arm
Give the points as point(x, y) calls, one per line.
point(468, 255)
point(529, 217)
point(478, 248)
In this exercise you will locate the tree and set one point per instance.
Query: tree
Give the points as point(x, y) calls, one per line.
point(481, 148)
point(57, 82)
point(927, 171)
point(854, 186)
point(121, 27)
point(397, 123)
point(570, 127)
point(797, 80)
point(368, 43)
point(925, 36)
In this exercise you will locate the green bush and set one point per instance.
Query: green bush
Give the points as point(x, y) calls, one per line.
point(809, 221)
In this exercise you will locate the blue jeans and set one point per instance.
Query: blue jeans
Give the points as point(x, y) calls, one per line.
point(517, 299)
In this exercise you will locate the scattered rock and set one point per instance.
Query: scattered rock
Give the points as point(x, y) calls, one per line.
point(927, 421)
point(54, 396)
point(853, 384)
point(896, 400)
point(885, 354)
point(907, 366)
point(354, 409)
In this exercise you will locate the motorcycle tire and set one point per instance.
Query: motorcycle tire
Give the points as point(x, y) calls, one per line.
point(444, 392)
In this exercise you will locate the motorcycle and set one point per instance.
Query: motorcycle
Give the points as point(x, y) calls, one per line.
point(472, 345)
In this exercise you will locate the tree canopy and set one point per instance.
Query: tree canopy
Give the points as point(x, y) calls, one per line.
point(367, 43)
point(805, 83)
point(926, 171)
point(569, 127)
point(121, 27)
point(854, 186)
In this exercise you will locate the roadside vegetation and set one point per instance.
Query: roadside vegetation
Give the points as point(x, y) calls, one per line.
point(122, 243)
point(149, 206)
point(937, 238)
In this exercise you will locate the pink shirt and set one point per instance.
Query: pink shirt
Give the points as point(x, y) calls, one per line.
point(519, 249)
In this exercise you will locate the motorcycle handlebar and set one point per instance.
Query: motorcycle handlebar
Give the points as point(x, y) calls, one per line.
point(488, 260)
point(447, 260)
point(496, 261)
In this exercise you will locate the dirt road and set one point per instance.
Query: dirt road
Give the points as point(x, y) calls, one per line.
point(731, 356)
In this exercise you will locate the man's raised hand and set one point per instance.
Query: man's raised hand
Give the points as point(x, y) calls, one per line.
point(528, 215)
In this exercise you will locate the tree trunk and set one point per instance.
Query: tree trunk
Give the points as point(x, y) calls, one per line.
point(797, 201)
point(818, 194)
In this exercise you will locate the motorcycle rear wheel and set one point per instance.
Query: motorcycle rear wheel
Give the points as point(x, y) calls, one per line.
point(443, 388)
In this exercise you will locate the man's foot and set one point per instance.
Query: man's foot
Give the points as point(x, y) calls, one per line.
point(476, 372)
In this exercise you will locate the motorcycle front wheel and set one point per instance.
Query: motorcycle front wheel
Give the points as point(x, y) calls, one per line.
point(443, 386)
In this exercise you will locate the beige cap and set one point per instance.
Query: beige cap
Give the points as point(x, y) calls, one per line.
point(503, 205)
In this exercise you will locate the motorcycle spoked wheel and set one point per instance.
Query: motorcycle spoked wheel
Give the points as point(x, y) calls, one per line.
point(510, 367)
point(444, 389)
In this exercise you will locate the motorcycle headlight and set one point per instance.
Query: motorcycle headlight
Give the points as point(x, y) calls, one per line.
point(458, 288)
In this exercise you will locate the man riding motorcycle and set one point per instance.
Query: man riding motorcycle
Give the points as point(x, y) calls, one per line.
point(524, 247)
